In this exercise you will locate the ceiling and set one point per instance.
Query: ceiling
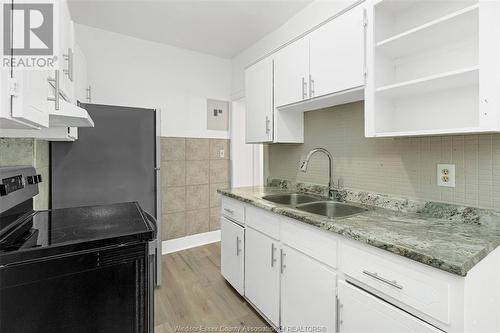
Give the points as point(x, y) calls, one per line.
point(220, 28)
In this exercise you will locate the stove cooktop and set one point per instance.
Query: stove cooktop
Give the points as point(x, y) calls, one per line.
point(76, 225)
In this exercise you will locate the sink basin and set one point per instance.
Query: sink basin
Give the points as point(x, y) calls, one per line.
point(291, 199)
point(330, 209)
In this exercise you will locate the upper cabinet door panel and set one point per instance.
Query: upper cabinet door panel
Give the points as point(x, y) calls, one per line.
point(291, 67)
point(259, 102)
point(337, 54)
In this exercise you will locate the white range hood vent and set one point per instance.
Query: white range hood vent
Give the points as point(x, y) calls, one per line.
point(69, 115)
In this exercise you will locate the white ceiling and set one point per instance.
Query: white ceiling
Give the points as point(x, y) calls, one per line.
point(220, 28)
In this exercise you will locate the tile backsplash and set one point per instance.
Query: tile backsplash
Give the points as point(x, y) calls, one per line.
point(29, 152)
point(192, 170)
point(399, 166)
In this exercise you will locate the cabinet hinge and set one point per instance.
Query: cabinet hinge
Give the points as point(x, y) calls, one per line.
point(13, 86)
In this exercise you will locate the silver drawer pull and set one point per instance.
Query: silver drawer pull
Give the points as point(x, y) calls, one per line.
point(273, 259)
point(230, 211)
point(375, 275)
point(237, 246)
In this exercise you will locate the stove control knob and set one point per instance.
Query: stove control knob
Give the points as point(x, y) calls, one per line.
point(3, 190)
point(30, 179)
point(39, 178)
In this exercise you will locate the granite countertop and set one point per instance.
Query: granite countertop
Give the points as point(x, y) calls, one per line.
point(448, 237)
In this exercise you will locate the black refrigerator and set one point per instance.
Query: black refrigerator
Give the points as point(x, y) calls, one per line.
point(116, 161)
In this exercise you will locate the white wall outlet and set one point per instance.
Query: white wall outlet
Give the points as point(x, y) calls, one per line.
point(221, 153)
point(446, 175)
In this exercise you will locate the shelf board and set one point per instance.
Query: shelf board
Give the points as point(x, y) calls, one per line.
point(439, 131)
point(448, 80)
point(458, 25)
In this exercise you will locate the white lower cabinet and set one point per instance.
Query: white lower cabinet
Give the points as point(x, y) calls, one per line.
point(262, 273)
point(360, 312)
point(308, 301)
point(232, 253)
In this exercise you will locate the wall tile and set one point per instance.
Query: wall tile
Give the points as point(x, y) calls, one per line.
point(173, 225)
point(174, 199)
point(197, 149)
point(216, 145)
point(215, 215)
point(197, 221)
point(398, 166)
point(219, 171)
point(215, 198)
point(16, 152)
point(173, 173)
point(197, 172)
point(173, 149)
point(197, 196)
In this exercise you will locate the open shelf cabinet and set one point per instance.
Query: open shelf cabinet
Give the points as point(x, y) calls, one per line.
point(432, 67)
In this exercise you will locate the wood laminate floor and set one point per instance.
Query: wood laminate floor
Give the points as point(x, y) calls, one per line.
point(194, 297)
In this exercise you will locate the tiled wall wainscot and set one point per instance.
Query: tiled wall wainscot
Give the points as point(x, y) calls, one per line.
point(192, 170)
point(29, 152)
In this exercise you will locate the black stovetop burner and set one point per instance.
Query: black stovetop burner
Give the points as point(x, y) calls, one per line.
point(66, 226)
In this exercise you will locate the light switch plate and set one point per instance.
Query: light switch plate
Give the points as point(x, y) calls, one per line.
point(446, 175)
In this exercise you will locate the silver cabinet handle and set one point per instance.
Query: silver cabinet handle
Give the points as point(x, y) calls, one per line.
point(273, 259)
point(375, 275)
point(89, 94)
point(311, 87)
point(338, 305)
point(268, 128)
point(230, 211)
point(237, 246)
point(57, 89)
point(304, 88)
point(282, 261)
point(70, 59)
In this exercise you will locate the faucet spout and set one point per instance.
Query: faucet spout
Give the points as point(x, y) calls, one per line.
point(305, 164)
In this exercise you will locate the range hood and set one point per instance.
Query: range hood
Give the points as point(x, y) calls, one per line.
point(69, 115)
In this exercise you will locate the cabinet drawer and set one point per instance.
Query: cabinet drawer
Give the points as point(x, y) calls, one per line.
point(233, 209)
point(401, 280)
point(310, 240)
point(263, 221)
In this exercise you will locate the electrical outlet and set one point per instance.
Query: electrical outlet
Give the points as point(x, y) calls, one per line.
point(221, 153)
point(446, 175)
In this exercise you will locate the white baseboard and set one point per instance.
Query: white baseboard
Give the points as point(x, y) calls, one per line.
point(183, 243)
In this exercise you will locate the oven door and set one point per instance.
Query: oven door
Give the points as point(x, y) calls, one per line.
point(104, 290)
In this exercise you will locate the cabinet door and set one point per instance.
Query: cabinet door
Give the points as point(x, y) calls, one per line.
point(66, 39)
point(232, 253)
point(362, 312)
point(307, 293)
point(291, 68)
point(262, 273)
point(337, 54)
point(259, 102)
point(30, 104)
point(80, 78)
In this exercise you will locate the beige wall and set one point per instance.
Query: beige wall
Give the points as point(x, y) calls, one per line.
point(402, 166)
point(192, 171)
point(29, 152)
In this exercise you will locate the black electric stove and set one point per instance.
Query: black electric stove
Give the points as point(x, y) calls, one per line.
point(80, 269)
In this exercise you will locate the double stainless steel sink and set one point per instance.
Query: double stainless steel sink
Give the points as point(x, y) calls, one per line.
point(314, 205)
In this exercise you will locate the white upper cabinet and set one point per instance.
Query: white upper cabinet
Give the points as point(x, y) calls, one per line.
point(433, 67)
point(81, 84)
point(338, 54)
point(291, 67)
point(259, 102)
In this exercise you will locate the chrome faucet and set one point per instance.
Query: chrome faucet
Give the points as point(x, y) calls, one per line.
point(305, 163)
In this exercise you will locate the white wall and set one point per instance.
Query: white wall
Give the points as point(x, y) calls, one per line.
point(308, 18)
point(246, 169)
point(134, 72)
